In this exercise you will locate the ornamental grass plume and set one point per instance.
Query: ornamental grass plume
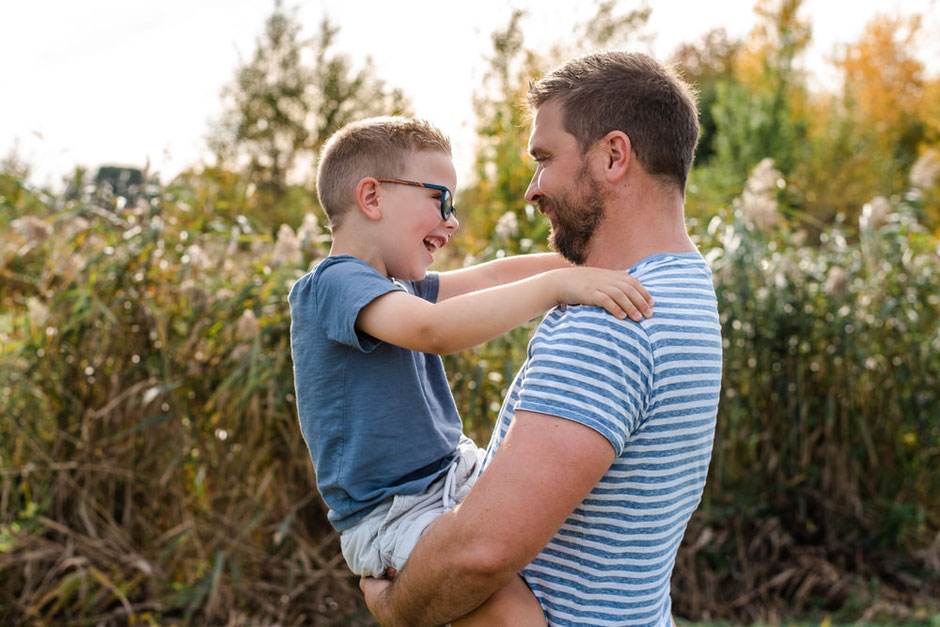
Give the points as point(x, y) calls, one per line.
point(926, 169)
point(758, 202)
point(71, 227)
point(874, 214)
point(34, 230)
point(247, 330)
point(507, 227)
point(197, 257)
point(38, 312)
point(287, 247)
point(310, 236)
point(247, 327)
point(309, 229)
point(837, 280)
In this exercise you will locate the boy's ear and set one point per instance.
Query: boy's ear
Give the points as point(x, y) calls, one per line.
point(618, 155)
point(367, 198)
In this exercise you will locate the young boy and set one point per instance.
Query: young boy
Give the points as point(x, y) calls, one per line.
point(368, 326)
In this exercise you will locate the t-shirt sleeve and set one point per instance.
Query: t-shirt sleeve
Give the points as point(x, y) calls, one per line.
point(593, 369)
point(427, 287)
point(342, 290)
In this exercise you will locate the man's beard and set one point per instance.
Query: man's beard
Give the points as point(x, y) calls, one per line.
point(576, 215)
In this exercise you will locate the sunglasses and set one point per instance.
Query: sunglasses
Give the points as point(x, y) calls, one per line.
point(447, 199)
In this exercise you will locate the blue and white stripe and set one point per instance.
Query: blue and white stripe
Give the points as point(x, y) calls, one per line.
point(651, 388)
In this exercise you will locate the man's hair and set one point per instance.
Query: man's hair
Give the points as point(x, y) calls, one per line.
point(376, 147)
point(629, 92)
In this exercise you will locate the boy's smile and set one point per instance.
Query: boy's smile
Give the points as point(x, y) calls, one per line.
point(434, 242)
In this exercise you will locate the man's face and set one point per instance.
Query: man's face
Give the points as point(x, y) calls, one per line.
point(563, 186)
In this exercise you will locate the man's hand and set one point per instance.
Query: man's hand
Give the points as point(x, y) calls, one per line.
point(376, 593)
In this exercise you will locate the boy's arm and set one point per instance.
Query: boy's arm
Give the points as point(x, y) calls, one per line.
point(496, 272)
point(458, 323)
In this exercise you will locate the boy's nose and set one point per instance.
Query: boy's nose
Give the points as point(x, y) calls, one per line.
point(451, 223)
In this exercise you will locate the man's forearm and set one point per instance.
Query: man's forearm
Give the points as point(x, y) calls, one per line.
point(440, 581)
point(544, 468)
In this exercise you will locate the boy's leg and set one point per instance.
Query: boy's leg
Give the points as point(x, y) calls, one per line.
point(513, 605)
point(358, 543)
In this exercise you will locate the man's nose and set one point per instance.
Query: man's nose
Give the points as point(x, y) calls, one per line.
point(532, 192)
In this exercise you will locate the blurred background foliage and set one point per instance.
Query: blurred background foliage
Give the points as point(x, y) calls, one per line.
point(151, 469)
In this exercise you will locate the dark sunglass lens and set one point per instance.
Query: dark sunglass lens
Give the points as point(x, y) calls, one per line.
point(447, 205)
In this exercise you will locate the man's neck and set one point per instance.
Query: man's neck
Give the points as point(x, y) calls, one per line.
point(632, 231)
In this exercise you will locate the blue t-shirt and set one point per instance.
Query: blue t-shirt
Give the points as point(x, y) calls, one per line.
point(651, 388)
point(378, 419)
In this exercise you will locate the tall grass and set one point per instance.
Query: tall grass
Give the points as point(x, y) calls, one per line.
point(151, 465)
point(151, 468)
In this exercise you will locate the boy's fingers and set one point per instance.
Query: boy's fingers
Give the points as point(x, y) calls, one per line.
point(639, 286)
point(610, 303)
point(642, 290)
point(625, 304)
point(632, 310)
point(642, 303)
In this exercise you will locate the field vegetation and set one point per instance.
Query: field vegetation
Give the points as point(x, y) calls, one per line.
point(151, 467)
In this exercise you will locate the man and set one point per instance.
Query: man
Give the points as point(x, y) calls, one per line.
point(601, 449)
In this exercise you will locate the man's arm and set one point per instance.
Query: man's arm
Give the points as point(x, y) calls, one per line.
point(497, 272)
point(542, 471)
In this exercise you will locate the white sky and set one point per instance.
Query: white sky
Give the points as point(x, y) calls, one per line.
point(87, 82)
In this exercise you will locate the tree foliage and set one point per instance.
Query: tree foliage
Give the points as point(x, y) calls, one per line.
point(761, 114)
point(285, 103)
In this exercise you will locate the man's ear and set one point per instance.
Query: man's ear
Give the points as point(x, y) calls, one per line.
point(367, 198)
point(618, 155)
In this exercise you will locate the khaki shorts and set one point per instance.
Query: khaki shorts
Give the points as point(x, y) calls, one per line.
point(387, 535)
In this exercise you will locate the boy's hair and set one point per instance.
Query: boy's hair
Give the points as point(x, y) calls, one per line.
point(376, 147)
point(629, 92)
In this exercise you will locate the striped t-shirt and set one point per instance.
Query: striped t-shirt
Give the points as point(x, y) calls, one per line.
point(651, 388)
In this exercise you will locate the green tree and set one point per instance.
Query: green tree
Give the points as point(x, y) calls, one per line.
point(607, 29)
point(706, 64)
point(761, 113)
point(501, 165)
point(285, 103)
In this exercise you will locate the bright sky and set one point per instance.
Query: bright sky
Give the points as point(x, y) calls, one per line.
point(130, 81)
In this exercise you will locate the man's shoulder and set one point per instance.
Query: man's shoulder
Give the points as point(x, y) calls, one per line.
point(590, 334)
point(686, 266)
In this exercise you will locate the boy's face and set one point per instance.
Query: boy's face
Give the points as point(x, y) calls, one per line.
point(412, 216)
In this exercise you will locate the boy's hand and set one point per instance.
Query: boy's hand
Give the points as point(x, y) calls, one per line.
point(614, 290)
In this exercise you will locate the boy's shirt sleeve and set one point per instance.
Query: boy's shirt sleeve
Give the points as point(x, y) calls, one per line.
point(343, 288)
point(426, 288)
